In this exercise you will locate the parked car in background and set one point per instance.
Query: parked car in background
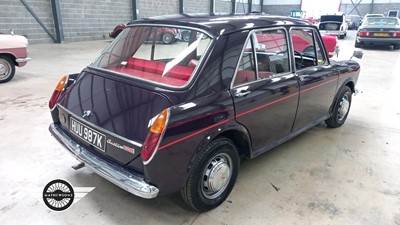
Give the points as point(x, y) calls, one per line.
point(117, 30)
point(334, 24)
point(165, 35)
point(370, 15)
point(353, 21)
point(157, 119)
point(379, 31)
point(13, 52)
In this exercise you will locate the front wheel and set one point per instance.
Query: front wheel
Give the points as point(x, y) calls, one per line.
point(341, 109)
point(167, 38)
point(213, 175)
point(7, 69)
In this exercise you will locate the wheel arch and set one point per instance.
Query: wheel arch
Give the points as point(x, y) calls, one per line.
point(235, 132)
point(11, 56)
point(347, 83)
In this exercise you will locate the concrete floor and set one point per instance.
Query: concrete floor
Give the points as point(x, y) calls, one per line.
point(348, 175)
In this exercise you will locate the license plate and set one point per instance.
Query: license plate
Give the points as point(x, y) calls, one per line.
point(381, 34)
point(88, 134)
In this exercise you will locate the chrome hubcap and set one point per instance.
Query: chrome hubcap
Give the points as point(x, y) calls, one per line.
point(344, 106)
point(5, 69)
point(216, 175)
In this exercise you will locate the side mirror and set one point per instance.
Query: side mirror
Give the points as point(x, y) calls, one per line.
point(358, 54)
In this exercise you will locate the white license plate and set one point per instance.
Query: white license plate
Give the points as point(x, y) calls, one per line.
point(88, 134)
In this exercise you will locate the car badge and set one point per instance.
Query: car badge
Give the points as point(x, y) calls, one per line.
point(87, 114)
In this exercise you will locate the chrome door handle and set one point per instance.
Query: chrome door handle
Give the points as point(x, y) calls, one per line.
point(302, 77)
point(242, 93)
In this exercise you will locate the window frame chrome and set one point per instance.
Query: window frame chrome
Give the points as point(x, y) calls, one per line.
point(251, 32)
point(314, 31)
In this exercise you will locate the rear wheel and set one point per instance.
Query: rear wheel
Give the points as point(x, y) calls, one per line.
point(7, 69)
point(212, 176)
point(341, 109)
point(396, 46)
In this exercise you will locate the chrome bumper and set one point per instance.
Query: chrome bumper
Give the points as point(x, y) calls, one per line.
point(133, 183)
point(22, 60)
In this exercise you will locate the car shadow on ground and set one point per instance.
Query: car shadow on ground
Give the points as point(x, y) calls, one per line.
point(378, 48)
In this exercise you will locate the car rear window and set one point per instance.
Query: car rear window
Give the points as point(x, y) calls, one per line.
point(162, 55)
point(381, 21)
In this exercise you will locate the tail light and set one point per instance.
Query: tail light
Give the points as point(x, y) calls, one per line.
point(154, 137)
point(395, 34)
point(57, 92)
point(363, 33)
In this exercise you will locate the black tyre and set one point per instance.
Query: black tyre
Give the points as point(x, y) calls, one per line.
point(341, 36)
point(186, 36)
point(212, 176)
point(7, 69)
point(341, 108)
point(357, 44)
point(167, 38)
point(396, 46)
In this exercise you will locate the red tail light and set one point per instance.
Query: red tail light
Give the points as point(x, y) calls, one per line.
point(395, 34)
point(154, 137)
point(57, 92)
point(363, 33)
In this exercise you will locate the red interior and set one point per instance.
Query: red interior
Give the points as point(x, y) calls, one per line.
point(153, 70)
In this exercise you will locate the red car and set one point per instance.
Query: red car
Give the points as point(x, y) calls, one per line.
point(276, 42)
point(13, 52)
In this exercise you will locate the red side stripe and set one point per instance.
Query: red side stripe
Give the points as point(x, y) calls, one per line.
point(249, 111)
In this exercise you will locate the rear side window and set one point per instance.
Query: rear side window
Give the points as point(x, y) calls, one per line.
point(157, 54)
point(265, 55)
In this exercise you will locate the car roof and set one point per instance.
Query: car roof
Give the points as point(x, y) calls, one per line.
point(374, 15)
point(219, 24)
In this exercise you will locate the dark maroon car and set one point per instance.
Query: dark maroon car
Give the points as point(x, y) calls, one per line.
point(156, 119)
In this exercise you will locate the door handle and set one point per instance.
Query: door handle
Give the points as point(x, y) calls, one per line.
point(242, 93)
point(302, 77)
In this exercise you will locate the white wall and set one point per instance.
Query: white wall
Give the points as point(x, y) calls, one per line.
point(370, 1)
point(315, 9)
point(282, 2)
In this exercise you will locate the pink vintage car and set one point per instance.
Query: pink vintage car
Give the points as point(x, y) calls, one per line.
point(13, 52)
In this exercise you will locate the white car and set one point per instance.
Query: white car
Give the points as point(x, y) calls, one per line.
point(13, 52)
point(334, 24)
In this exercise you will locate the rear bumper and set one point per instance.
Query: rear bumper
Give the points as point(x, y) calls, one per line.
point(378, 40)
point(133, 183)
point(333, 32)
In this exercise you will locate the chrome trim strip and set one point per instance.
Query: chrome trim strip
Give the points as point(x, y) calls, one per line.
point(99, 128)
point(22, 60)
point(131, 182)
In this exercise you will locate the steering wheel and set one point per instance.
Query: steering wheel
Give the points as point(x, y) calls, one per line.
point(299, 64)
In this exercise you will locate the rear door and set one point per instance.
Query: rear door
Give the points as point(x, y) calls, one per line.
point(264, 91)
point(317, 79)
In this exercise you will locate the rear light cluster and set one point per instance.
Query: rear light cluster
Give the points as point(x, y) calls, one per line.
point(57, 92)
point(395, 34)
point(363, 33)
point(155, 136)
